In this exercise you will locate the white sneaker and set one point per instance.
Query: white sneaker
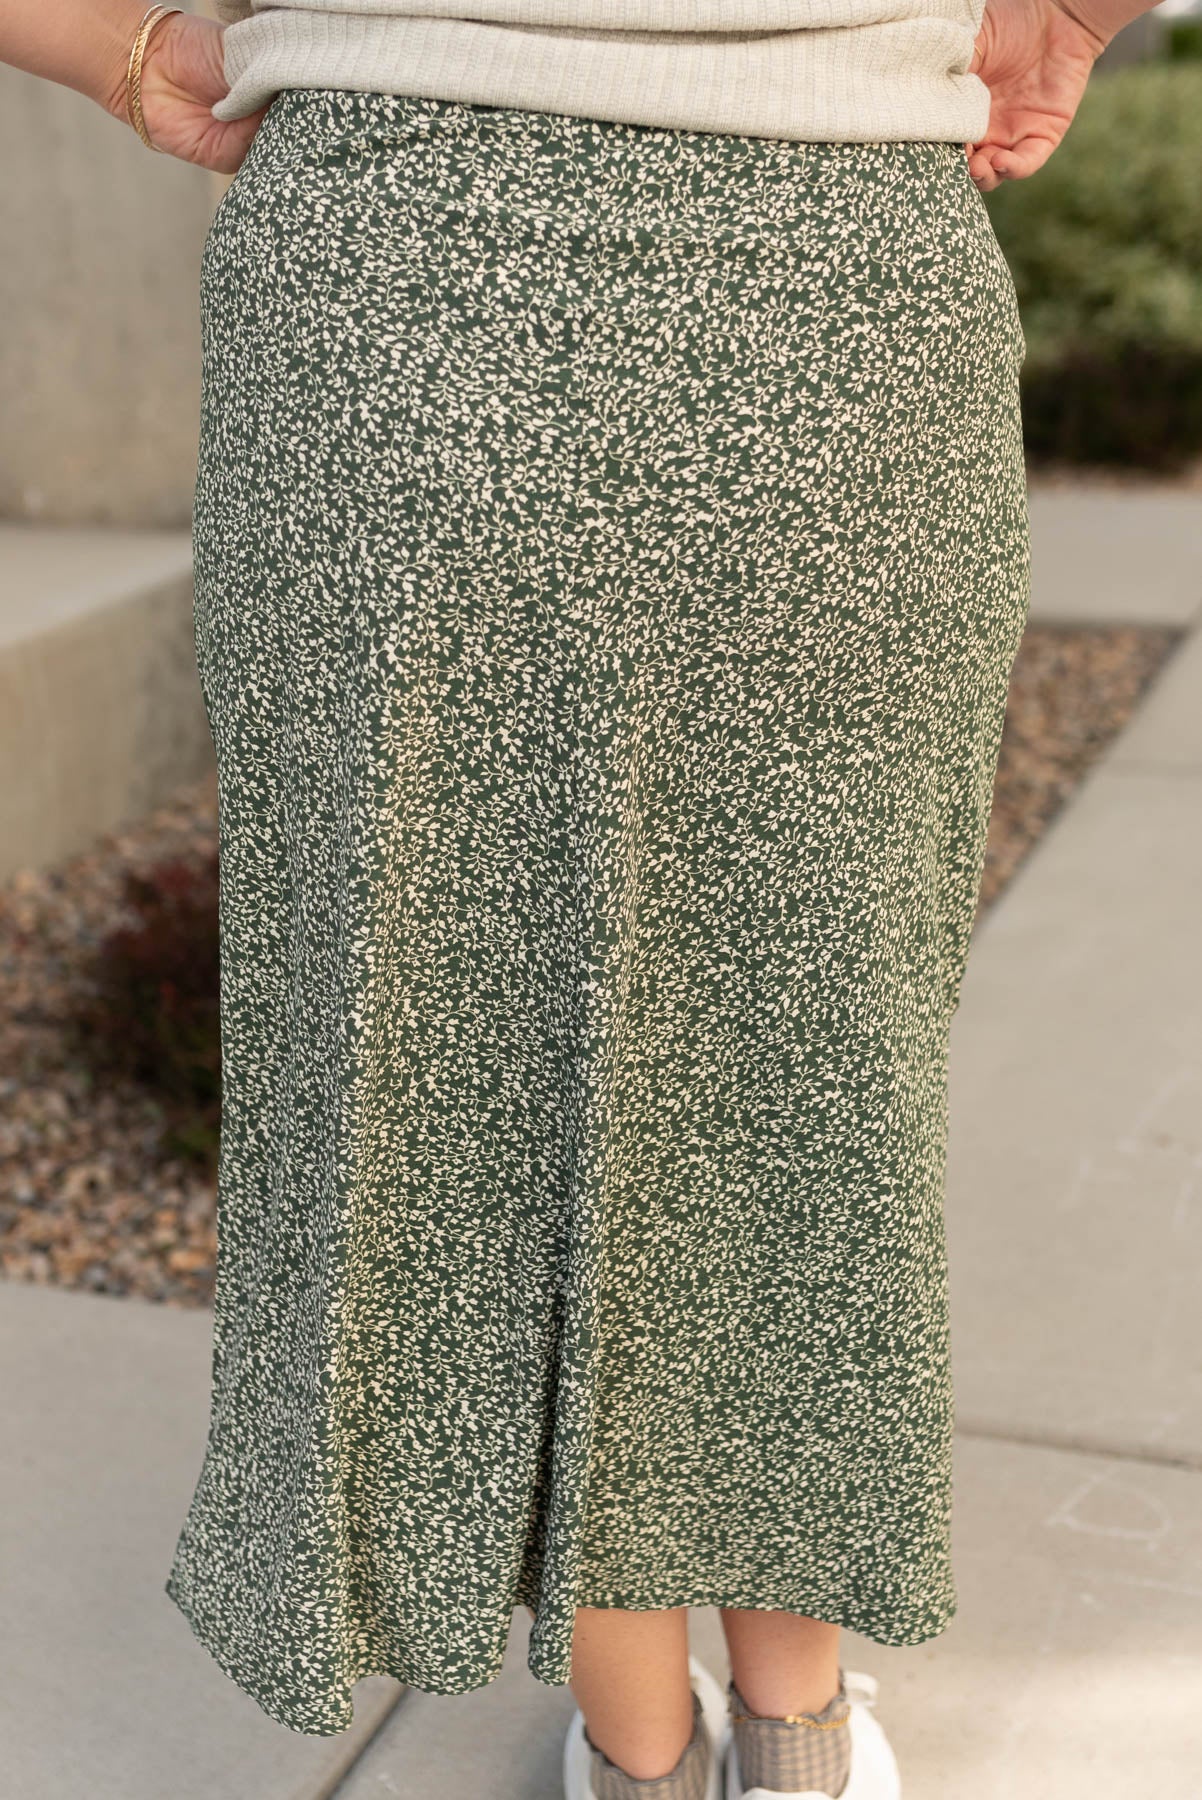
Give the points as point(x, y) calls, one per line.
point(577, 1753)
point(873, 1774)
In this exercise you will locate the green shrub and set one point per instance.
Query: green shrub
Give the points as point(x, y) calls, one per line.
point(1105, 245)
point(1183, 40)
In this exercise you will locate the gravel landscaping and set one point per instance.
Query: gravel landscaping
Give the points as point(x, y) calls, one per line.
point(91, 1197)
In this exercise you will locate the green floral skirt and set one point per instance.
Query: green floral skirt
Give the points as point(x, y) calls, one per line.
point(611, 552)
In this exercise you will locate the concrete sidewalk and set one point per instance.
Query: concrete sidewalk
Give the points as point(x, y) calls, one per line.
point(1074, 1664)
point(104, 1692)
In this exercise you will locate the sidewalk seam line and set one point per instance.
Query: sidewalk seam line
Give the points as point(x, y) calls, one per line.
point(1188, 1460)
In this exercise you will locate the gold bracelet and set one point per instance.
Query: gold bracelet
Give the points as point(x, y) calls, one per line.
point(133, 74)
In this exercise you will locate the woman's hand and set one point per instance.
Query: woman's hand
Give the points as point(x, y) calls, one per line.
point(1035, 58)
point(182, 77)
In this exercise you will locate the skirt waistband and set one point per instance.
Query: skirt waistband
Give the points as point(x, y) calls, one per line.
point(583, 172)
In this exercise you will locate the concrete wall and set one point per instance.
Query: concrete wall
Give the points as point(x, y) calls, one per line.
point(1144, 36)
point(101, 712)
point(100, 244)
point(101, 715)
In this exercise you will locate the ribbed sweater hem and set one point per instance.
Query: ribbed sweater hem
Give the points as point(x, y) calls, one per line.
point(897, 78)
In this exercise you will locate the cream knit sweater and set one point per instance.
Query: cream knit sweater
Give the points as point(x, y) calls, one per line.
point(847, 70)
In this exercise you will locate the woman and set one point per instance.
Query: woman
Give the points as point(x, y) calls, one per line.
point(611, 551)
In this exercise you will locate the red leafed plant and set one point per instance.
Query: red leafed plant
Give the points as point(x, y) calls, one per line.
point(153, 1011)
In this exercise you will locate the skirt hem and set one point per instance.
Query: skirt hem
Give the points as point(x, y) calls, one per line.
point(550, 1671)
